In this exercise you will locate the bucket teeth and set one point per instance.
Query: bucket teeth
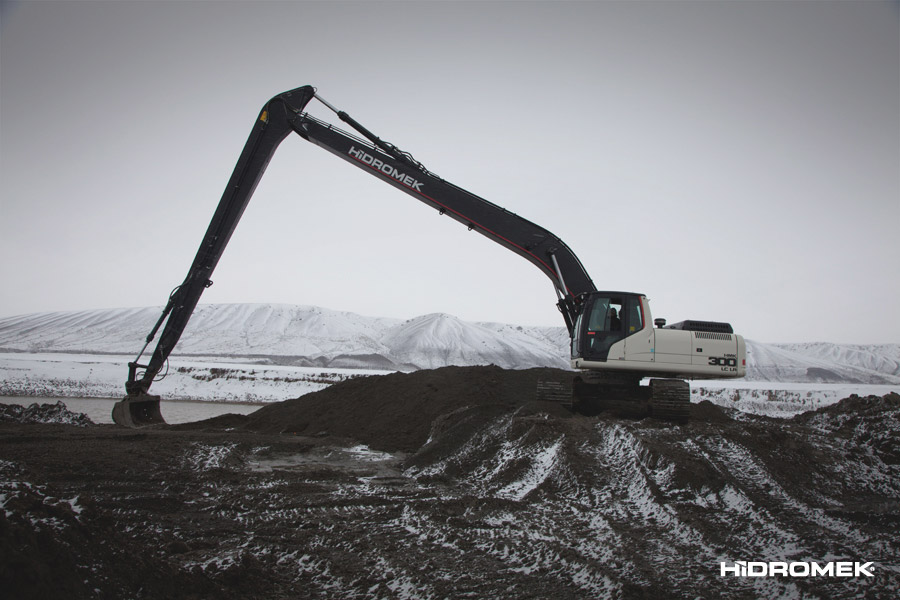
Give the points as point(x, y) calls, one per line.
point(138, 411)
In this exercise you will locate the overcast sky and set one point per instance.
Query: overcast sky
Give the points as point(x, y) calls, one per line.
point(735, 161)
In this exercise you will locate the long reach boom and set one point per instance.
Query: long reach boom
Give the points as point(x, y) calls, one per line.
point(283, 114)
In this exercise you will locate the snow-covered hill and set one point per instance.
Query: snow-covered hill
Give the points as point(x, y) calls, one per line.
point(319, 337)
point(823, 363)
point(438, 340)
point(297, 335)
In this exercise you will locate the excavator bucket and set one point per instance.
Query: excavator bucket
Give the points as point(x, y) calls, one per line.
point(138, 411)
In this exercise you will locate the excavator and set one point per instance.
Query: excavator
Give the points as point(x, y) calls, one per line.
point(615, 343)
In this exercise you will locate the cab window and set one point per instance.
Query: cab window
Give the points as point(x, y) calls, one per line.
point(604, 326)
point(606, 315)
point(635, 316)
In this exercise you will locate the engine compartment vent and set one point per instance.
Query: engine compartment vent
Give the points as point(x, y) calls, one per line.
point(708, 326)
point(705, 335)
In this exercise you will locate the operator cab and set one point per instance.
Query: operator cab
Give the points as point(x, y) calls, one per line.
point(606, 318)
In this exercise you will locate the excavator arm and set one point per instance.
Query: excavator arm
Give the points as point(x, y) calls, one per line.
point(268, 132)
point(283, 114)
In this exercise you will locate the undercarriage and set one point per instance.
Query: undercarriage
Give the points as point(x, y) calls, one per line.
point(594, 392)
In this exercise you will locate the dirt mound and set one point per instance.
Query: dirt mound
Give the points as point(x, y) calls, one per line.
point(858, 405)
point(708, 412)
point(395, 412)
point(867, 423)
point(43, 413)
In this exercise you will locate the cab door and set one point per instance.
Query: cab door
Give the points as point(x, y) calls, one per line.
point(602, 325)
point(639, 334)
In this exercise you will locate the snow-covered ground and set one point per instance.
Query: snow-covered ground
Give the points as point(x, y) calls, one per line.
point(780, 399)
point(57, 375)
point(272, 352)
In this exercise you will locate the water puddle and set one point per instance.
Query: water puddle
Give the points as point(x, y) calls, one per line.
point(360, 461)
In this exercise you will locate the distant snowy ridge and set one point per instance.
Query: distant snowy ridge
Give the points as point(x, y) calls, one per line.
point(296, 335)
point(319, 337)
point(824, 363)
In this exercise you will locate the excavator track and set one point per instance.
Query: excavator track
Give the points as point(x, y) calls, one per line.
point(670, 400)
point(594, 392)
point(622, 395)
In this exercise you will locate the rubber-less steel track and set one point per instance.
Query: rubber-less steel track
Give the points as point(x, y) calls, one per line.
point(665, 399)
point(670, 400)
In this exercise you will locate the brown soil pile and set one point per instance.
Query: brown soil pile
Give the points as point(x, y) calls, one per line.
point(43, 413)
point(395, 412)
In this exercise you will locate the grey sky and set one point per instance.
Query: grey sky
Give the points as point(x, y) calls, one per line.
point(735, 161)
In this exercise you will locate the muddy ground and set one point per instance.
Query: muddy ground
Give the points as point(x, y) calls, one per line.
point(450, 483)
